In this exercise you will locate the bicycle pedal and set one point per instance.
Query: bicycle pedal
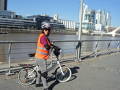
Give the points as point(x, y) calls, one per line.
point(38, 85)
point(53, 73)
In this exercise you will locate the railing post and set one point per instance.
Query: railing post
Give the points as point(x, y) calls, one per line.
point(96, 48)
point(78, 51)
point(9, 61)
point(118, 46)
point(108, 47)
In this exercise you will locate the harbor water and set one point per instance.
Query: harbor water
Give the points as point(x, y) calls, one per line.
point(20, 51)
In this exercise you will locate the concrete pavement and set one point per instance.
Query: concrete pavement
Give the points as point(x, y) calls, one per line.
point(101, 73)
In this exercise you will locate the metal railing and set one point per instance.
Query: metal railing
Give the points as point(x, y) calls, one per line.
point(16, 51)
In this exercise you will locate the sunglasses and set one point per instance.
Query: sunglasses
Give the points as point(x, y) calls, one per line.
point(47, 29)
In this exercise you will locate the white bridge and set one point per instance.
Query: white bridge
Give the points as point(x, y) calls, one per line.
point(115, 32)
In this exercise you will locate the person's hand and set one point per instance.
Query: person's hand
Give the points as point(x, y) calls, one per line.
point(47, 47)
point(56, 50)
point(31, 54)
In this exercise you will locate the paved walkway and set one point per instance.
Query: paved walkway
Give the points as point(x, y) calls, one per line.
point(101, 73)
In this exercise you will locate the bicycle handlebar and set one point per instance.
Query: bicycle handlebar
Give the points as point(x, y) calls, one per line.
point(56, 50)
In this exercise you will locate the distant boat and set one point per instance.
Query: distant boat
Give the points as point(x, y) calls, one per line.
point(3, 32)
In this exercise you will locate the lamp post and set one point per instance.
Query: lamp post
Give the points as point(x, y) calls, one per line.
point(80, 28)
point(80, 19)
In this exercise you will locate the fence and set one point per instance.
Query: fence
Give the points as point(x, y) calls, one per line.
point(17, 51)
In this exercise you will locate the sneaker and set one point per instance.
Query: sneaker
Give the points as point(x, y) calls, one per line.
point(46, 89)
point(37, 85)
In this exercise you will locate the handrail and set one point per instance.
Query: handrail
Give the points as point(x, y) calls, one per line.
point(56, 41)
point(78, 42)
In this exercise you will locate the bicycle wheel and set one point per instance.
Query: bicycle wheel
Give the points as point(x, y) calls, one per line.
point(27, 76)
point(65, 76)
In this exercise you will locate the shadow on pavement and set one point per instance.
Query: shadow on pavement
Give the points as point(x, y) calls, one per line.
point(74, 69)
point(53, 85)
point(73, 77)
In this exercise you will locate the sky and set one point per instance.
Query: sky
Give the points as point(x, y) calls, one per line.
point(66, 9)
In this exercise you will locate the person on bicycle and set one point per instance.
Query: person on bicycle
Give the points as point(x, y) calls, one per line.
point(42, 54)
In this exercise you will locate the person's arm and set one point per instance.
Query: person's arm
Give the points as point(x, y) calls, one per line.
point(43, 40)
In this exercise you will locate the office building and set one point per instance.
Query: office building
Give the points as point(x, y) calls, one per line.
point(3, 4)
point(16, 23)
point(103, 20)
point(95, 20)
point(45, 18)
point(7, 14)
point(88, 24)
point(69, 24)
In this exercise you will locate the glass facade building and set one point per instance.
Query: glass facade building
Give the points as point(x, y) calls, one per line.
point(88, 24)
point(16, 23)
point(45, 18)
point(3, 4)
point(7, 14)
point(95, 19)
point(68, 24)
point(103, 20)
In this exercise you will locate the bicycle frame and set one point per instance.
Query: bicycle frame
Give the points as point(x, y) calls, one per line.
point(52, 66)
point(59, 65)
point(33, 71)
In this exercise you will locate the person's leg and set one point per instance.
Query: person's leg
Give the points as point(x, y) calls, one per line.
point(38, 79)
point(42, 65)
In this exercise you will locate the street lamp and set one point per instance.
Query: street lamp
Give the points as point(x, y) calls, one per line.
point(80, 30)
point(80, 19)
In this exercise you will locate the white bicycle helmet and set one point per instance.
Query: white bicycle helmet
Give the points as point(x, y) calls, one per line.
point(45, 25)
